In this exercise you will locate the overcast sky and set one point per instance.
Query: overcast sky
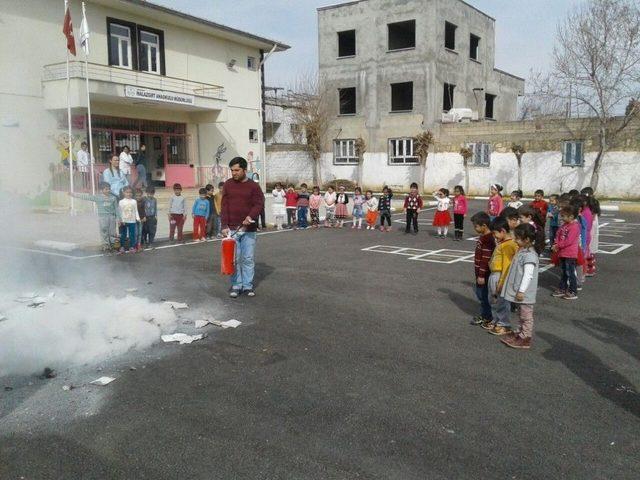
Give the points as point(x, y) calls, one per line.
point(525, 29)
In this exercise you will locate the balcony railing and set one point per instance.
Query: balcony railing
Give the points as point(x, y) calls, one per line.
point(123, 76)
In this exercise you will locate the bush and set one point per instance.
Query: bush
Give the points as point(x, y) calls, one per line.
point(349, 185)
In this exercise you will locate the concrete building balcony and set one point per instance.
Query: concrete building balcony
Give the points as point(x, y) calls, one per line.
point(120, 85)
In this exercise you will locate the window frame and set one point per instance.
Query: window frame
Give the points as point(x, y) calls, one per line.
point(131, 51)
point(395, 159)
point(344, 151)
point(135, 31)
point(404, 110)
point(415, 26)
point(355, 102)
point(253, 132)
point(448, 92)
point(493, 105)
point(574, 143)
point(149, 45)
point(355, 43)
point(481, 154)
point(251, 63)
point(455, 28)
point(477, 52)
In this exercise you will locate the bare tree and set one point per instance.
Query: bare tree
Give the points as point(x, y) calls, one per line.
point(596, 67)
point(311, 101)
point(361, 148)
point(519, 151)
point(466, 153)
point(422, 143)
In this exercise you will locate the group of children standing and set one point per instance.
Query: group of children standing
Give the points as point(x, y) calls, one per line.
point(511, 240)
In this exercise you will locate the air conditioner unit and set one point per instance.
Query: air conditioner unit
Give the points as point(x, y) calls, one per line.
point(457, 115)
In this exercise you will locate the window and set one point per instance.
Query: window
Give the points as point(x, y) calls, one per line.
point(344, 152)
point(489, 100)
point(450, 36)
point(251, 63)
point(447, 97)
point(296, 132)
point(573, 153)
point(347, 100)
point(253, 135)
point(120, 46)
point(401, 152)
point(149, 52)
point(402, 35)
point(474, 47)
point(402, 97)
point(347, 43)
point(481, 154)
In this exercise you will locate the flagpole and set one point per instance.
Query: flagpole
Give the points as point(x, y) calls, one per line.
point(86, 76)
point(66, 6)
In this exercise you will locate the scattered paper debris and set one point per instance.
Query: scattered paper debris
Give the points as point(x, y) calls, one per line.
point(233, 323)
point(612, 443)
point(68, 388)
point(183, 338)
point(448, 430)
point(131, 290)
point(176, 305)
point(102, 381)
point(37, 302)
point(204, 323)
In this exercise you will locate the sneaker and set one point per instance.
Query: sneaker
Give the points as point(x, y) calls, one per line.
point(558, 293)
point(234, 293)
point(478, 320)
point(382, 229)
point(120, 251)
point(570, 296)
point(499, 330)
point(589, 274)
point(516, 341)
point(488, 324)
point(250, 292)
point(353, 226)
point(579, 288)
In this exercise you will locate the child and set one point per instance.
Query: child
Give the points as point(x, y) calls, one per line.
point(330, 207)
point(142, 221)
point(442, 219)
point(504, 252)
point(358, 208)
point(585, 218)
point(532, 217)
point(107, 206)
point(594, 206)
point(128, 216)
point(212, 210)
point(371, 210)
point(384, 206)
point(314, 207)
point(552, 217)
point(303, 206)
point(177, 212)
point(412, 206)
point(459, 211)
point(521, 285)
point(200, 212)
point(342, 199)
point(150, 225)
point(516, 199)
point(566, 246)
point(279, 199)
point(291, 204)
point(485, 245)
point(512, 217)
point(495, 204)
point(540, 205)
point(217, 200)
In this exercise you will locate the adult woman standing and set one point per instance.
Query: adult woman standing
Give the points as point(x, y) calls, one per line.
point(114, 177)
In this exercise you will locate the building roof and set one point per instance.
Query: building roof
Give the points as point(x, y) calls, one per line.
point(201, 24)
point(345, 4)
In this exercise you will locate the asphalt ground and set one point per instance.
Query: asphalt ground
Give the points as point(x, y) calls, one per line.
point(358, 364)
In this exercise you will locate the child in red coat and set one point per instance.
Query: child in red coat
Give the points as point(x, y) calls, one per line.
point(566, 247)
point(291, 203)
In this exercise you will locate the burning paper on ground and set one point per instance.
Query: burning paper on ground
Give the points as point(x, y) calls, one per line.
point(204, 323)
point(177, 305)
point(102, 381)
point(182, 338)
point(233, 323)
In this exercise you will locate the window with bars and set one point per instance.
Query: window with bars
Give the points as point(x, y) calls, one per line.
point(573, 153)
point(481, 154)
point(401, 152)
point(344, 152)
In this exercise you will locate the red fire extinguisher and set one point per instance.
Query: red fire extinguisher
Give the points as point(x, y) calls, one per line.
point(228, 256)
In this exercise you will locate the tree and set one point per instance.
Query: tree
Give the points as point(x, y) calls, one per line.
point(466, 153)
point(519, 151)
point(311, 111)
point(421, 145)
point(596, 66)
point(361, 148)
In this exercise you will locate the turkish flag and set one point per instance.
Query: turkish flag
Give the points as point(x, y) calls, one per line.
point(67, 29)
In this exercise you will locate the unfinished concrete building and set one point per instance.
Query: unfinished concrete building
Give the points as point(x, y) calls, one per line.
point(398, 67)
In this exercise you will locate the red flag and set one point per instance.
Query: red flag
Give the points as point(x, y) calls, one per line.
point(67, 29)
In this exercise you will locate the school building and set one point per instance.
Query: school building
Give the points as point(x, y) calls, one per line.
point(189, 89)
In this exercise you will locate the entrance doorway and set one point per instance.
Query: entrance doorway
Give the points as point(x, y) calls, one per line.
point(167, 147)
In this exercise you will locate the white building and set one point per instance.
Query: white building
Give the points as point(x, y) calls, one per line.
point(187, 88)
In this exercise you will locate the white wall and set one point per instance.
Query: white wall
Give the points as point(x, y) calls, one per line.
point(619, 176)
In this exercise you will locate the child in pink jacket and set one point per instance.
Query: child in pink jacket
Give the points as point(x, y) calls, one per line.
point(567, 246)
point(459, 211)
point(495, 204)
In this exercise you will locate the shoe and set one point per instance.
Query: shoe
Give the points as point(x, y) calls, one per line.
point(579, 288)
point(477, 320)
point(558, 293)
point(570, 296)
point(353, 226)
point(250, 293)
point(234, 293)
point(589, 274)
point(516, 341)
point(499, 330)
point(120, 251)
point(488, 325)
point(382, 229)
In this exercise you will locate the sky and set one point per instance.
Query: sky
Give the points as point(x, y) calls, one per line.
point(525, 30)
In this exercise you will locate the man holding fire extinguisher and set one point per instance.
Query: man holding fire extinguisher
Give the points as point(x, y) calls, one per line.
point(242, 202)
